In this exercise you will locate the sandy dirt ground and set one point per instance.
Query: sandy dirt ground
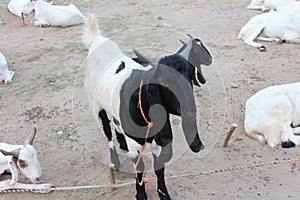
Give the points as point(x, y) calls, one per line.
point(47, 90)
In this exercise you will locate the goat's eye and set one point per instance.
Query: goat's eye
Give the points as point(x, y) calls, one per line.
point(22, 163)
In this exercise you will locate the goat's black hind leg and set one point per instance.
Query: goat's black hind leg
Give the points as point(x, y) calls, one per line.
point(140, 185)
point(114, 157)
point(160, 174)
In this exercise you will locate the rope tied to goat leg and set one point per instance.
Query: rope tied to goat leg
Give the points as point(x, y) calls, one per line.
point(149, 124)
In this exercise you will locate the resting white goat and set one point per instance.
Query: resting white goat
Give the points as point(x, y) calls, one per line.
point(265, 5)
point(20, 157)
point(290, 8)
point(271, 27)
point(272, 115)
point(5, 74)
point(49, 15)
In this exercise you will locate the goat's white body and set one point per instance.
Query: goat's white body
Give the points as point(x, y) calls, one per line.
point(290, 8)
point(270, 112)
point(274, 26)
point(265, 5)
point(18, 7)
point(5, 73)
point(102, 82)
point(47, 14)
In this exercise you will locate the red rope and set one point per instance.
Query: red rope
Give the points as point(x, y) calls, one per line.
point(149, 124)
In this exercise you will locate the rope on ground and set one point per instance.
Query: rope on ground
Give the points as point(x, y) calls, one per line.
point(48, 190)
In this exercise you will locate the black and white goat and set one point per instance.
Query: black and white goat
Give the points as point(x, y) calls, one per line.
point(113, 85)
point(22, 158)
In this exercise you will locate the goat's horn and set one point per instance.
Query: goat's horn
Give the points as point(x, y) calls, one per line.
point(151, 61)
point(190, 36)
point(182, 42)
point(30, 140)
point(15, 153)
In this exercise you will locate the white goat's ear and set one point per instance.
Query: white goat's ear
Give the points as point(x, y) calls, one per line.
point(14, 153)
point(30, 140)
point(151, 61)
point(184, 45)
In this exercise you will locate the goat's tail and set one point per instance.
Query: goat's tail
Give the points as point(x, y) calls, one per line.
point(91, 30)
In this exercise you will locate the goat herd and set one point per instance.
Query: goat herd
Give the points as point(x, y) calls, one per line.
point(136, 95)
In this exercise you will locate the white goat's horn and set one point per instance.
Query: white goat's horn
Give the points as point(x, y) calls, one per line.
point(151, 61)
point(190, 36)
point(30, 140)
point(182, 42)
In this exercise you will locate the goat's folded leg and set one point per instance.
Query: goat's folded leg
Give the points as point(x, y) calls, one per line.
point(289, 139)
point(14, 172)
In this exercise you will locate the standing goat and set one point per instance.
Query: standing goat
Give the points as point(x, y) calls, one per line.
point(113, 85)
point(20, 157)
point(272, 115)
point(6, 75)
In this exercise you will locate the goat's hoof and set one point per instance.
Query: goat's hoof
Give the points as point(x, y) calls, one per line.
point(164, 197)
point(45, 25)
point(262, 48)
point(141, 196)
point(288, 144)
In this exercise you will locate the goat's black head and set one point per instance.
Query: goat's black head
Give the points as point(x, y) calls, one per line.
point(175, 62)
point(194, 52)
point(197, 54)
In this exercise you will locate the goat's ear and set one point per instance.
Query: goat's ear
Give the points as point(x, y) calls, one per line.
point(145, 59)
point(184, 45)
point(14, 153)
point(30, 140)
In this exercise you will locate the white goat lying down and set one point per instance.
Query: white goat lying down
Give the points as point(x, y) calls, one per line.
point(290, 8)
point(271, 27)
point(5, 74)
point(50, 15)
point(20, 157)
point(265, 5)
point(272, 115)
